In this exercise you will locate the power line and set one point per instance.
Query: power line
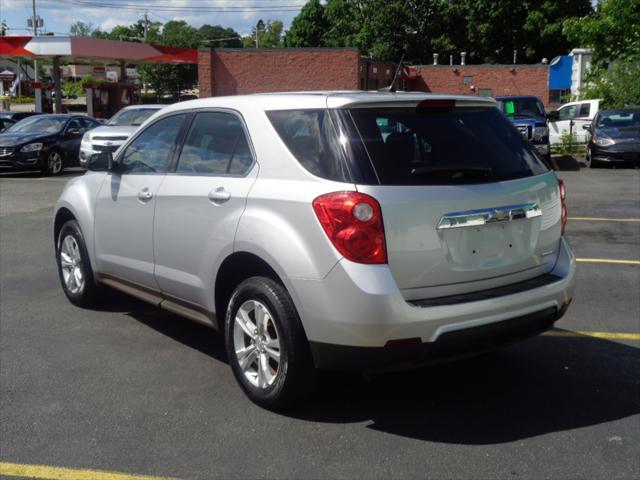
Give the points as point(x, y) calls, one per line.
point(186, 9)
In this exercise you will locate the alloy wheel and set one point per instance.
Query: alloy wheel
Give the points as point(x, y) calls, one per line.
point(71, 265)
point(54, 162)
point(257, 344)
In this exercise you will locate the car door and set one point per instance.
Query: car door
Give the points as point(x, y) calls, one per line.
point(199, 205)
point(571, 119)
point(127, 200)
point(70, 139)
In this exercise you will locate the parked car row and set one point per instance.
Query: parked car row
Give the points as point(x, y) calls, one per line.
point(51, 143)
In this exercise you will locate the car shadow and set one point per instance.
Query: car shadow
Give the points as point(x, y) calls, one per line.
point(542, 385)
point(567, 163)
point(66, 173)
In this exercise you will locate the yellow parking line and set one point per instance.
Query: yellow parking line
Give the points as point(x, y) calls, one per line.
point(604, 219)
point(607, 260)
point(45, 472)
point(604, 335)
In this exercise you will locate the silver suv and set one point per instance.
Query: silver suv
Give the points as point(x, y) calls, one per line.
point(356, 231)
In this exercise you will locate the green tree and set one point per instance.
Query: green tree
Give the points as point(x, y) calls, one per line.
point(220, 37)
point(617, 86)
point(172, 79)
point(613, 32)
point(81, 29)
point(344, 18)
point(269, 35)
point(308, 27)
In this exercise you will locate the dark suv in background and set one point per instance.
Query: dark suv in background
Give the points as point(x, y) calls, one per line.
point(528, 115)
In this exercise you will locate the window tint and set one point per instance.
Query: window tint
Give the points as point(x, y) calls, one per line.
point(74, 124)
point(585, 108)
point(311, 138)
point(409, 146)
point(150, 151)
point(525, 106)
point(216, 145)
point(567, 113)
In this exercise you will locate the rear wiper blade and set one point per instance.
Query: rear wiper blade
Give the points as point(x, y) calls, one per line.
point(478, 169)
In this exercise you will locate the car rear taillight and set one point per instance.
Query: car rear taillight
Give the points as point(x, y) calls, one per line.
point(563, 201)
point(353, 223)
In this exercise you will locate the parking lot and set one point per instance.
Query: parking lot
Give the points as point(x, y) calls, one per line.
point(132, 389)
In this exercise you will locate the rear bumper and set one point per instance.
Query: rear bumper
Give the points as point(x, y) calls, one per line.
point(449, 346)
point(360, 306)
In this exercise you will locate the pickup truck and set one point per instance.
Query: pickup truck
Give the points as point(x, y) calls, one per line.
point(528, 116)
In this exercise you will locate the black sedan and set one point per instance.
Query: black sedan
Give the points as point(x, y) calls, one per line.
point(615, 138)
point(17, 116)
point(47, 143)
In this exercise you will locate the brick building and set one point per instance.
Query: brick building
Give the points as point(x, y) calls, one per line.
point(241, 71)
point(484, 80)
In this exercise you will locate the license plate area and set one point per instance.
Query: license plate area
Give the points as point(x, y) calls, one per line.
point(490, 246)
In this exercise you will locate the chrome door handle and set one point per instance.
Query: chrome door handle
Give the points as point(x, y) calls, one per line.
point(145, 194)
point(219, 195)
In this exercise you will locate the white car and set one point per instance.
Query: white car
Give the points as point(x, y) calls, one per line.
point(118, 129)
point(335, 230)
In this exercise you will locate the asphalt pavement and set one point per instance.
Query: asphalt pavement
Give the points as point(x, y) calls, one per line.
point(131, 389)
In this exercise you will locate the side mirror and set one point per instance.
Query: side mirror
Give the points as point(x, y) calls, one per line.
point(100, 162)
point(74, 132)
point(587, 127)
point(553, 116)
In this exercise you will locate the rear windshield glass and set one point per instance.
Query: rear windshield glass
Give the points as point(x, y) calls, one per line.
point(526, 107)
point(410, 146)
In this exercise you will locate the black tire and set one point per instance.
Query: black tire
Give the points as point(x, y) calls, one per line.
point(591, 163)
point(295, 374)
point(88, 292)
point(52, 163)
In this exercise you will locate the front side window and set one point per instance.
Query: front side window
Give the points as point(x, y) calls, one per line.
point(567, 113)
point(216, 145)
point(151, 151)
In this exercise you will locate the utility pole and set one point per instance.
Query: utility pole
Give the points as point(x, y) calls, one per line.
point(146, 25)
point(34, 19)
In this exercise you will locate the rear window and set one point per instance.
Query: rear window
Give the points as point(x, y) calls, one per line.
point(407, 145)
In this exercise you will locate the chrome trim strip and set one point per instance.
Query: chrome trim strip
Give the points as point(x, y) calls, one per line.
point(486, 216)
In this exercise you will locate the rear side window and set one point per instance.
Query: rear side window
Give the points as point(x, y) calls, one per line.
point(411, 146)
point(585, 108)
point(311, 138)
point(216, 145)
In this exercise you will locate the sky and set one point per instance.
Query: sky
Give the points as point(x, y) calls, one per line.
point(58, 15)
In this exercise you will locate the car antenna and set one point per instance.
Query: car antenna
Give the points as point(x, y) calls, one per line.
point(389, 88)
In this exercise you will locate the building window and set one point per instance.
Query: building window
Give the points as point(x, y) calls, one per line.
point(467, 80)
point(485, 92)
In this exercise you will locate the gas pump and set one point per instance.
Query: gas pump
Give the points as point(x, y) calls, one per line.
point(105, 99)
point(43, 96)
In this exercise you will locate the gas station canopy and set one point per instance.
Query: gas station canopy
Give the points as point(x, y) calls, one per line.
point(91, 50)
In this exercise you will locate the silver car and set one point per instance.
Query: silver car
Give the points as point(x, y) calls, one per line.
point(356, 231)
point(115, 132)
